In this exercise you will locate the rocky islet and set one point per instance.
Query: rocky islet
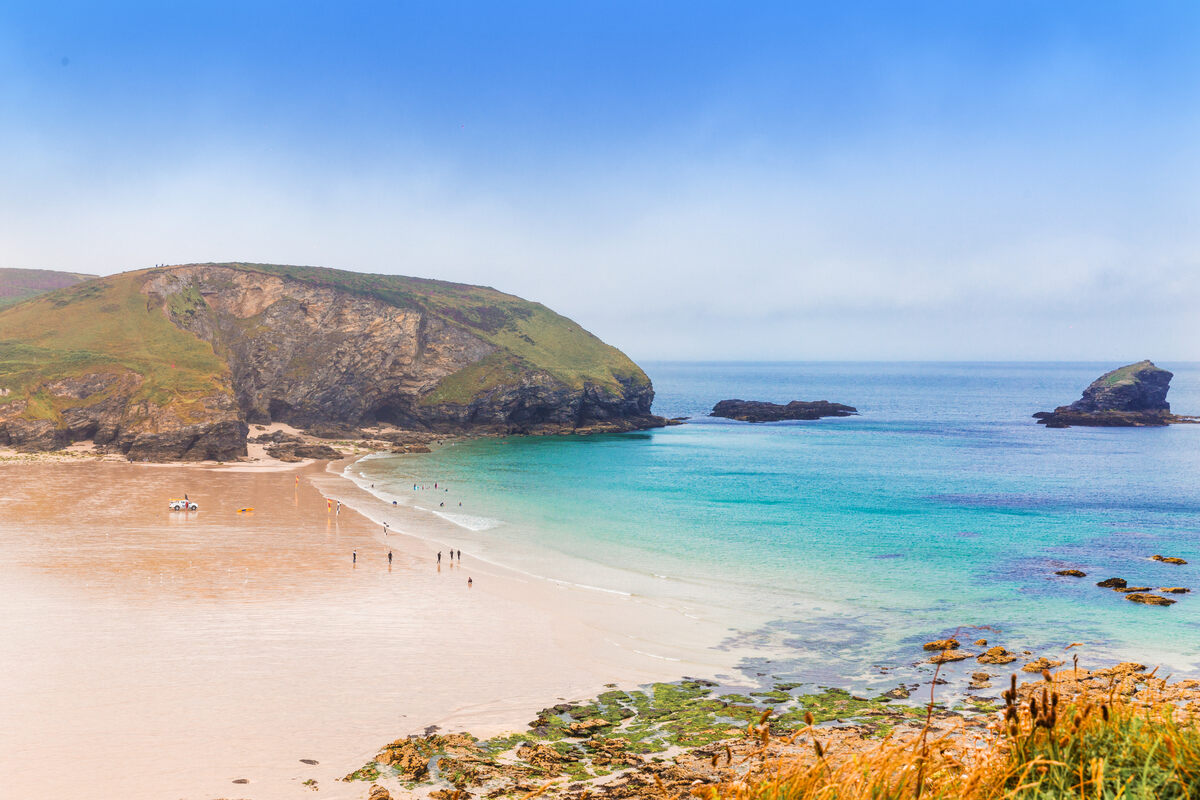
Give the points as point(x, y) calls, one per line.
point(759, 411)
point(1134, 395)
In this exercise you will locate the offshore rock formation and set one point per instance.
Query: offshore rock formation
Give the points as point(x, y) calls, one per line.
point(1132, 396)
point(172, 363)
point(757, 411)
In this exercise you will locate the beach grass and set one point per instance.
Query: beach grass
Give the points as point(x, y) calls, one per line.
point(1048, 747)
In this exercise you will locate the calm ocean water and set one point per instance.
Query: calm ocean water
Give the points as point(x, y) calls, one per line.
point(827, 547)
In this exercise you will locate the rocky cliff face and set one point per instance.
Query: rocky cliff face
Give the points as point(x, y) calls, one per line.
point(141, 429)
point(1131, 396)
point(303, 346)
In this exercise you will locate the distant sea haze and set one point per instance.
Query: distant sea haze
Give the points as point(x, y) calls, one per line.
point(848, 541)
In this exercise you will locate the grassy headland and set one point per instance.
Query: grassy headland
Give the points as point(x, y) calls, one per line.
point(21, 284)
point(155, 348)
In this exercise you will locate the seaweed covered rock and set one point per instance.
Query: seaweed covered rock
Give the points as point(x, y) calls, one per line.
point(941, 644)
point(1149, 599)
point(996, 655)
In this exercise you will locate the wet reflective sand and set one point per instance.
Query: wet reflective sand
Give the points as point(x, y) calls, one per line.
point(152, 654)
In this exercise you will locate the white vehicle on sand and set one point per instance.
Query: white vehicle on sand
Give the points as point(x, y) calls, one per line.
point(182, 505)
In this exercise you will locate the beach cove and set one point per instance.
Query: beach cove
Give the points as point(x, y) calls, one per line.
point(154, 654)
point(189, 651)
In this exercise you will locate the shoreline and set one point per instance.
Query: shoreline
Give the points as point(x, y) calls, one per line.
point(313, 657)
point(603, 614)
point(482, 660)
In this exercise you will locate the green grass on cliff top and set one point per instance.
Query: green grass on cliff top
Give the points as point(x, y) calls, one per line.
point(530, 335)
point(1127, 373)
point(104, 325)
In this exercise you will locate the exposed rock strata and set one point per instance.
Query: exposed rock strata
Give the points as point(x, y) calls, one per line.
point(758, 411)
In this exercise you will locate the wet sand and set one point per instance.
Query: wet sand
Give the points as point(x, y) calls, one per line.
point(151, 654)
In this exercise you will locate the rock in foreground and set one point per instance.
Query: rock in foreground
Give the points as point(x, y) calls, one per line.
point(757, 411)
point(1133, 396)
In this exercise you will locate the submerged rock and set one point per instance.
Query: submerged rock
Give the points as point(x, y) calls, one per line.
point(942, 644)
point(1167, 559)
point(757, 411)
point(1039, 664)
point(1072, 573)
point(1175, 590)
point(950, 655)
point(1112, 583)
point(996, 655)
point(1132, 396)
point(1149, 599)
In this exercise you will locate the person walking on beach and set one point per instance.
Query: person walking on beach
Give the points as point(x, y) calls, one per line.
point(439, 558)
point(469, 582)
point(389, 558)
point(354, 557)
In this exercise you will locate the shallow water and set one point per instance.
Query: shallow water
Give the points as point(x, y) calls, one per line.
point(942, 505)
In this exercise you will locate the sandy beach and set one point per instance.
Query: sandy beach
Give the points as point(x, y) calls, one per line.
point(154, 654)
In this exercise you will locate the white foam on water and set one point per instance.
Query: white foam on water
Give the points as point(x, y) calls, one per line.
point(471, 523)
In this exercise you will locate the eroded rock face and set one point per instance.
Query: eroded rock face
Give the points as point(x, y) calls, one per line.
point(313, 355)
point(210, 429)
point(757, 411)
point(1132, 396)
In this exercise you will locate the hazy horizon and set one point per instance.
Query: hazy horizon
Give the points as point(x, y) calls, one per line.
point(689, 181)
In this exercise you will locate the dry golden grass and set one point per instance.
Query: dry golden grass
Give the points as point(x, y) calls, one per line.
point(1084, 744)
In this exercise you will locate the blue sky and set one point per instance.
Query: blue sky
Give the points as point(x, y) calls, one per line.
point(688, 180)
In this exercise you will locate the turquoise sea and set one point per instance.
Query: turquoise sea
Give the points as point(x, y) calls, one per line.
point(830, 547)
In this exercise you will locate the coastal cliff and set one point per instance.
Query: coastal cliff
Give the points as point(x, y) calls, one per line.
point(1134, 395)
point(174, 362)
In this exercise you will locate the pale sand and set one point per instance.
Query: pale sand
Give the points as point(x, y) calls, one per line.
point(157, 655)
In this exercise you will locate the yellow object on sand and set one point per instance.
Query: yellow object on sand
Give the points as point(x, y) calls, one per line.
point(244, 510)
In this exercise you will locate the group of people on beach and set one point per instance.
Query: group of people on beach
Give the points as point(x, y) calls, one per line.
point(455, 554)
